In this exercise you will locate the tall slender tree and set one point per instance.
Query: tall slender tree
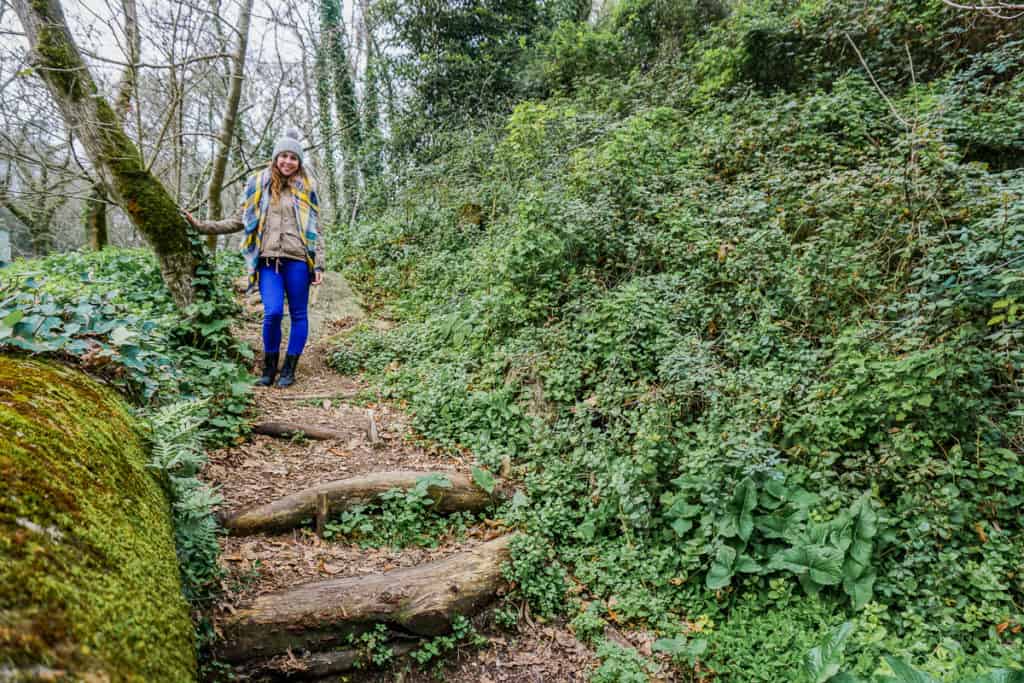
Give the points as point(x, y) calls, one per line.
point(94, 123)
point(215, 206)
point(326, 126)
point(350, 136)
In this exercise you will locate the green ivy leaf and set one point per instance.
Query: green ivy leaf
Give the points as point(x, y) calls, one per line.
point(8, 322)
point(484, 479)
point(121, 335)
point(681, 527)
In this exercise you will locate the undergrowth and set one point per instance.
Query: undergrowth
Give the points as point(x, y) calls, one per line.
point(747, 330)
point(400, 518)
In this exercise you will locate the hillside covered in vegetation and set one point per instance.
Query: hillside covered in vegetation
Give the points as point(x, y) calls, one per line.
point(735, 290)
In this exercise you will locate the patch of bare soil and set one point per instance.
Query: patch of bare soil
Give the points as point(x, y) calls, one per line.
point(373, 437)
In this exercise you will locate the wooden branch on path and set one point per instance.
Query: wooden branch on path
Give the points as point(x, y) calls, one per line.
point(322, 615)
point(290, 511)
point(319, 665)
point(287, 430)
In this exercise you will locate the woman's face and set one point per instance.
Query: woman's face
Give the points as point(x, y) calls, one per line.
point(287, 164)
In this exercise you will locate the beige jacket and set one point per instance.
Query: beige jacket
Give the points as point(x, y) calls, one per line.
point(281, 237)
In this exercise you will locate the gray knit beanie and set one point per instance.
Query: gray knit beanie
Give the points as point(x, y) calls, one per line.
point(289, 142)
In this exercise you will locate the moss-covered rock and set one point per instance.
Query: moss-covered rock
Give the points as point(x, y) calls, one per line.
point(89, 583)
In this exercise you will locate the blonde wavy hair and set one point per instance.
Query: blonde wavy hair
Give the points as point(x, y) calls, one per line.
point(278, 181)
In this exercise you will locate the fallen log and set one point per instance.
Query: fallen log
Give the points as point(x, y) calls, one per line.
point(326, 615)
point(288, 512)
point(288, 430)
point(318, 665)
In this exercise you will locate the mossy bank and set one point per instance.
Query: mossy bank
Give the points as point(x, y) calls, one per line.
point(89, 584)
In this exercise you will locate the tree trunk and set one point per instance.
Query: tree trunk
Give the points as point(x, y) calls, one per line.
point(96, 218)
point(326, 125)
point(320, 616)
point(220, 162)
point(288, 512)
point(332, 28)
point(92, 120)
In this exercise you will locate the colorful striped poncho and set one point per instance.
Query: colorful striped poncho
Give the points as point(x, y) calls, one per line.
point(254, 212)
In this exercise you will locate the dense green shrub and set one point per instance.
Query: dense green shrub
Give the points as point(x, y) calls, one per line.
point(749, 332)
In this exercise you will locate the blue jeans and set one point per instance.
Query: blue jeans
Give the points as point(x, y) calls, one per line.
point(280, 278)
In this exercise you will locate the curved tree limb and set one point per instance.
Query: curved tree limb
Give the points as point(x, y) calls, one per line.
point(288, 512)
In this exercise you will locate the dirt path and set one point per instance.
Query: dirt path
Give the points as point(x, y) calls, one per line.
point(263, 469)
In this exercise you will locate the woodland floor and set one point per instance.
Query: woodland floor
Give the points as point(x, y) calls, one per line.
point(264, 468)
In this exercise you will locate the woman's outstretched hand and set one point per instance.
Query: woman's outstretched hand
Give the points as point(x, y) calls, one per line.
point(189, 217)
point(318, 277)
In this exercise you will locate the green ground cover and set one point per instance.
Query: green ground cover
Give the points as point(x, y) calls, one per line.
point(745, 324)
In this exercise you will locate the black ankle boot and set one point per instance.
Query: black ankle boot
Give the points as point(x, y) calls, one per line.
point(269, 369)
point(288, 371)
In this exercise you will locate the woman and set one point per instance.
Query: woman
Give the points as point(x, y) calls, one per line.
point(282, 248)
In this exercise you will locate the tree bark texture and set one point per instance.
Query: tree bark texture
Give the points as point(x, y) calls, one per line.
point(287, 430)
point(288, 512)
point(92, 120)
point(96, 218)
point(322, 615)
point(227, 130)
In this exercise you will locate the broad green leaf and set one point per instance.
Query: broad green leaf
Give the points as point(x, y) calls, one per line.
point(860, 589)
point(721, 570)
point(484, 479)
point(775, 494)
point(1000, 676)
point(738, 520)
point(906, 673)
point(821, 564)
point(747, 565)
point(804, 498)
point(823, 662)
point(121, 335)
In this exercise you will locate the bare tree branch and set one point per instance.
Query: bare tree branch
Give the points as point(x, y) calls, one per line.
point(999, 10)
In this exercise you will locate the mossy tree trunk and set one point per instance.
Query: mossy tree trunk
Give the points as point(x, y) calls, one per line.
point(89, 582)
point(326, 125)
point(93, 121)
point(335, 40)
